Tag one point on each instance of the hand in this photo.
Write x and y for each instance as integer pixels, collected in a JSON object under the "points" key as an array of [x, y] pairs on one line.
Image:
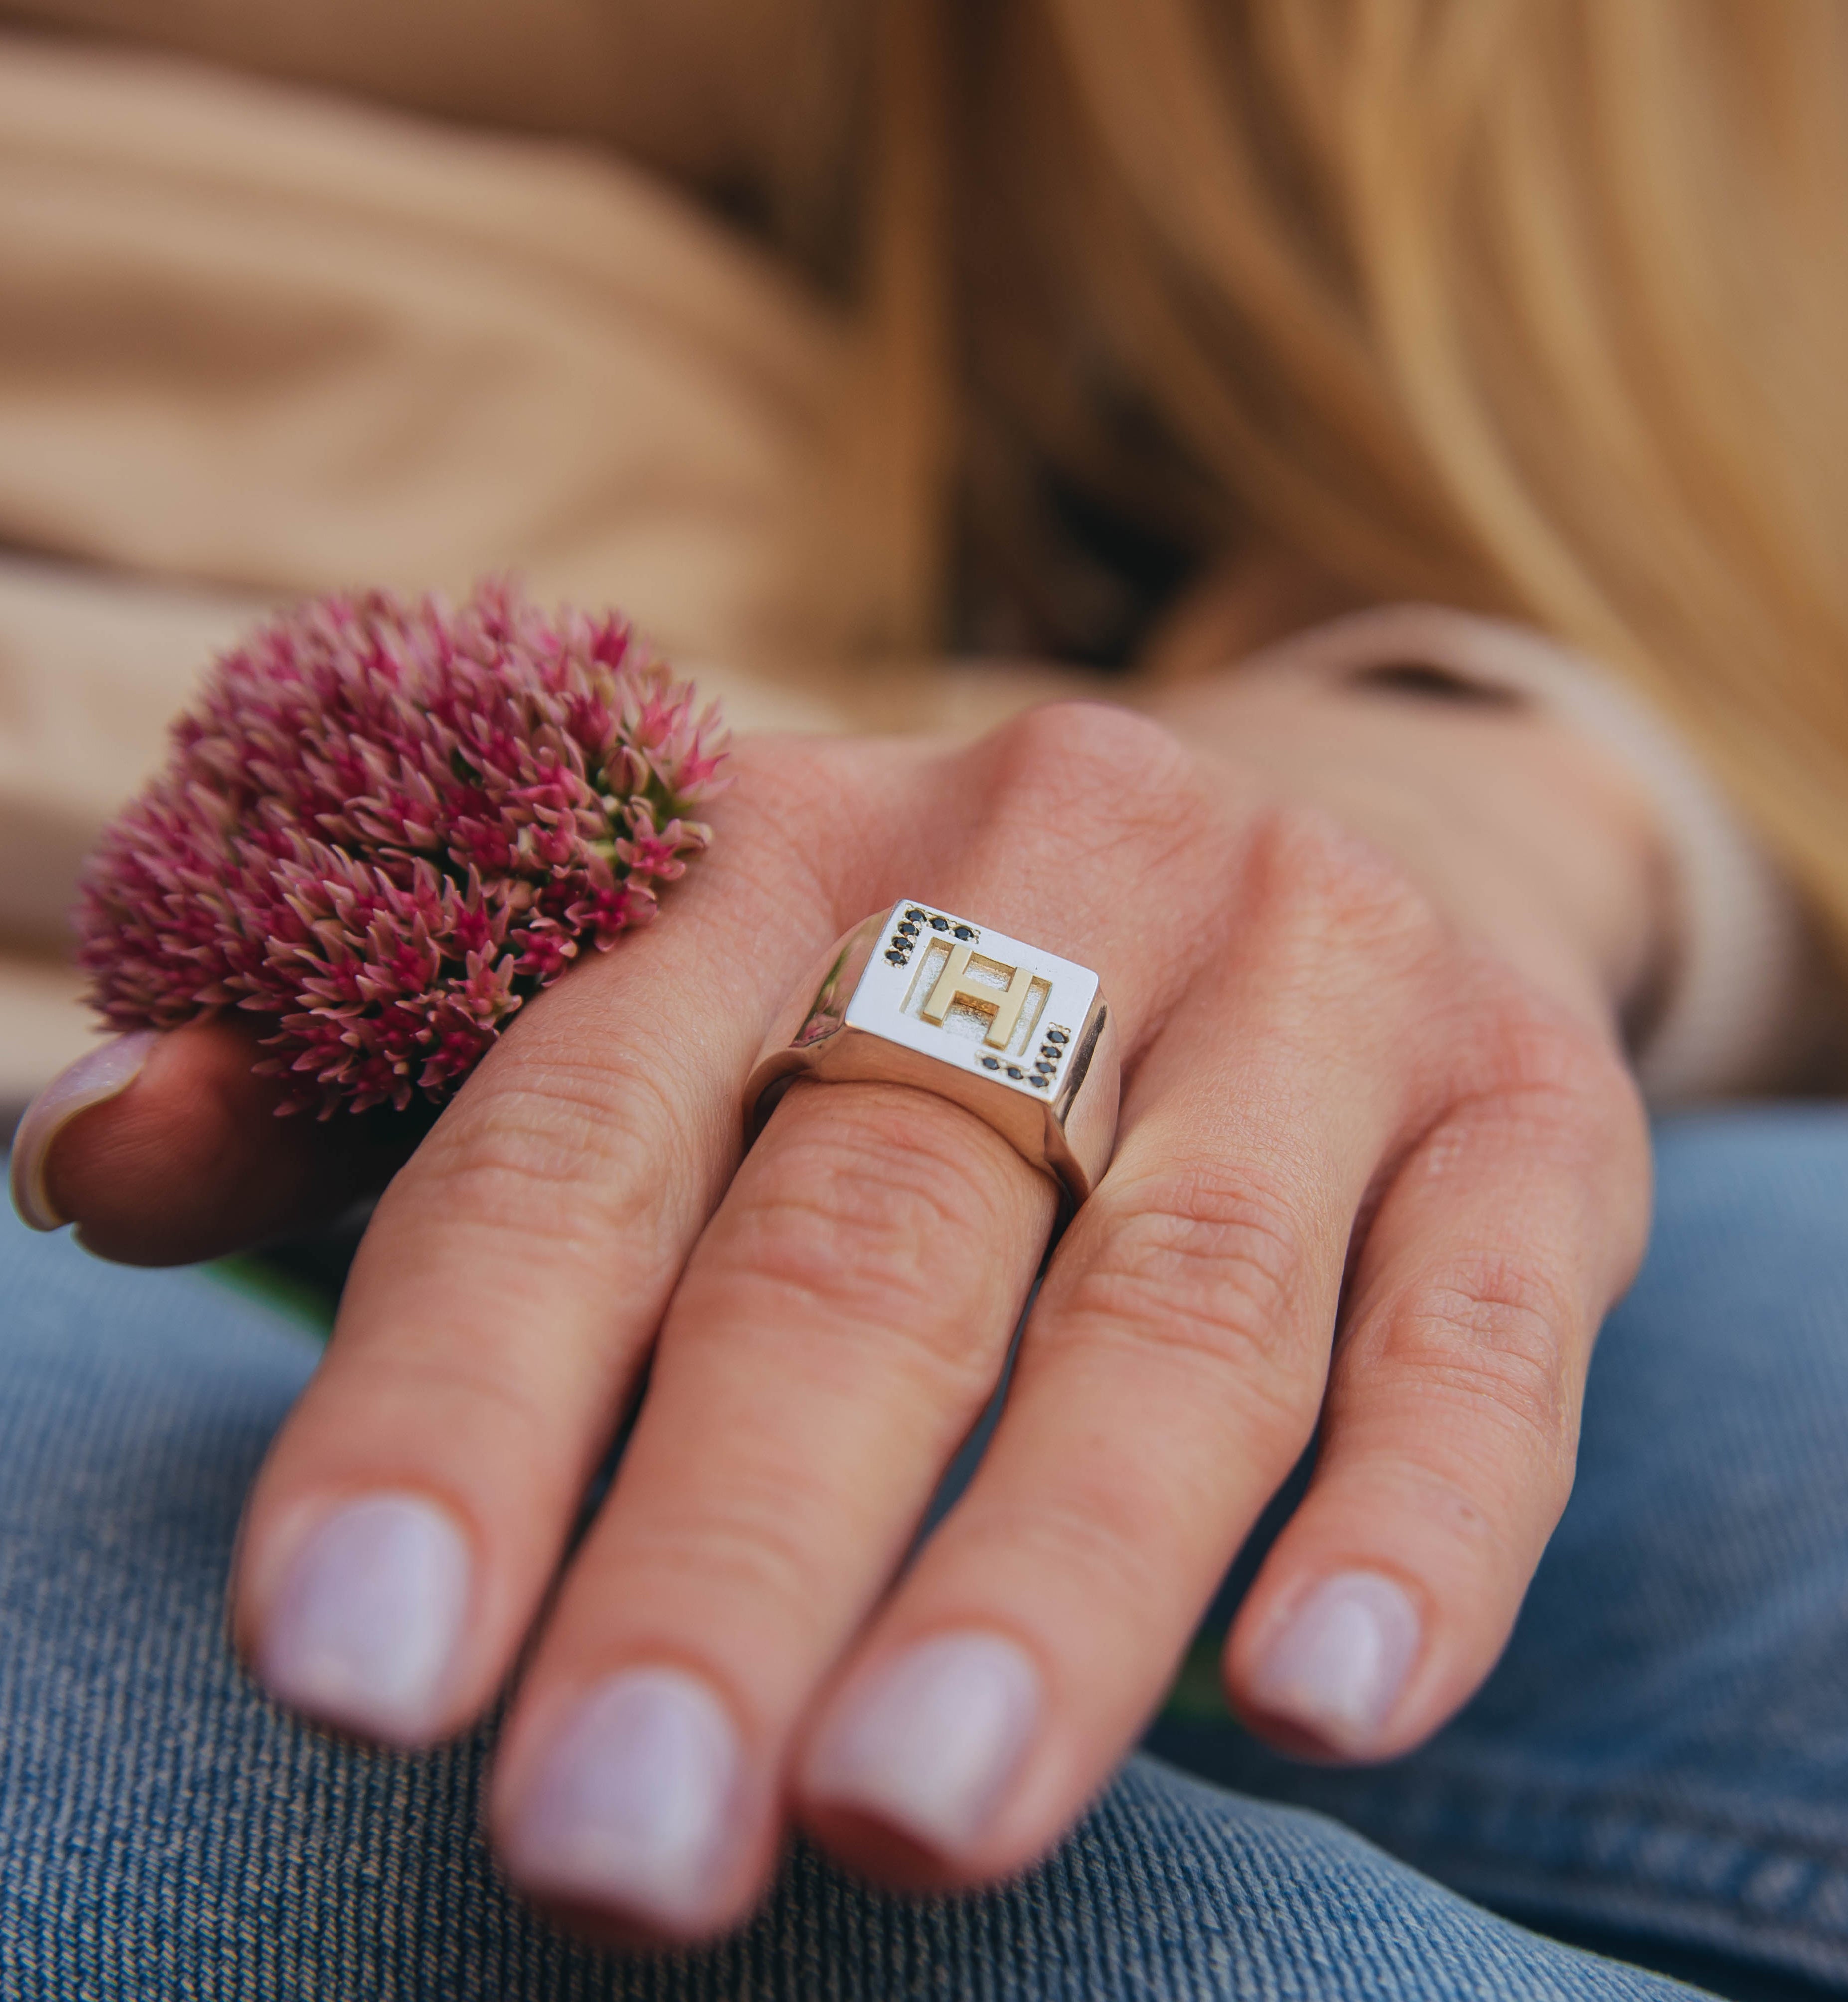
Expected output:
{"points": [[1380, 1171]]}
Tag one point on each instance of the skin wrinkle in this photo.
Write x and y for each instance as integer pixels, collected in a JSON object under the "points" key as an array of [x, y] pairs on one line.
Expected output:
{"points": [[753, 1550], [905, 1190], [924, 1365], [557, 1043], [464, 1401], [1307, 1047], [1507, 1361], [1226, 1281], [1101, 1343], [1489, 1283], [1344, 894], [493, 1176], [872, 1149], [1066, 760], [420, 1367], [962, 1342], [796, 882], [540, 1125]]}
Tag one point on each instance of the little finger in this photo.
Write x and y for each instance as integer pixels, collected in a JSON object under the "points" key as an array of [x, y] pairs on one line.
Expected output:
{"points": [[1450, 1427]]}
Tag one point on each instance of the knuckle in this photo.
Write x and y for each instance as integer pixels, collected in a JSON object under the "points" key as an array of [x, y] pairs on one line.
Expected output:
{"points": [[1537, 1050], [574, 1151], [1530, 1047], [776, 773], [1096, 738], [1210, 1268], [781, 821], [1493, 1338], [856, 1212], [1106, 774], [1561, 1093], [1314, 889]]}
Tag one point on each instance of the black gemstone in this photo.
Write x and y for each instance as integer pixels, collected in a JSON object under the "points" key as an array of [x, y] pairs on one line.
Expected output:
{"points": [[963, 931], [939, 924], [909, 929], [915, 914], [1037, 1083], [991, 1063], [1014, 1070], [1049, 1050], [1057, 1036], [897, 958], [1045, 1068]]}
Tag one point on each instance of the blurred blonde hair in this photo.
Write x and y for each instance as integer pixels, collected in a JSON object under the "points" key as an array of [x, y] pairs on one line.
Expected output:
{"points": [[1538, 306]]}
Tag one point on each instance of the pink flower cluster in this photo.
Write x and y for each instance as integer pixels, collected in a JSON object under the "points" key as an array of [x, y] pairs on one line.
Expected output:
{"points": [[385, 827]]}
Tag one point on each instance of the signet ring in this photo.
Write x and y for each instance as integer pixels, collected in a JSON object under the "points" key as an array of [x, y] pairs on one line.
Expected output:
{"points": [[1015, 1035]]}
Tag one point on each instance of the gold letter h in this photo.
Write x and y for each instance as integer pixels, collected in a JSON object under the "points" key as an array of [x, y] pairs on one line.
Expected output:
{"points": [[954, 984]]}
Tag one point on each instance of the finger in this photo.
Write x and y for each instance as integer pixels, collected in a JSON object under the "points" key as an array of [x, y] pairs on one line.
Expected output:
{"points": [[1450, 1427], [1167, 1380], [413, 1508], [164, 1149], [839, 1328], [413, 1511]]}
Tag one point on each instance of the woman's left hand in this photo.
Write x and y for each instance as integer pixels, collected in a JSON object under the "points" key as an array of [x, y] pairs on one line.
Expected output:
{"points": [[1380, 1170]]}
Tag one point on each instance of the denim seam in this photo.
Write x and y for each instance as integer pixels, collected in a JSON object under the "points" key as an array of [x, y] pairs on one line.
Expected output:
{"points": [[1618, 1860], [1649, 1911]]}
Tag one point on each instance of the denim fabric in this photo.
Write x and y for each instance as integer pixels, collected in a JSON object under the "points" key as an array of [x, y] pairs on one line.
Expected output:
{"points": [[1661, 1752]]}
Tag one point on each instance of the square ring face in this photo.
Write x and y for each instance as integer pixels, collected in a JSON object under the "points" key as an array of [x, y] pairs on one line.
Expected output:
{"points": [[1003, 1010]]}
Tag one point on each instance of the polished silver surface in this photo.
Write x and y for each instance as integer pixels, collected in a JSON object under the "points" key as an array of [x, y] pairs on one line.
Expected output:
{"points": [[1018, 1036]]}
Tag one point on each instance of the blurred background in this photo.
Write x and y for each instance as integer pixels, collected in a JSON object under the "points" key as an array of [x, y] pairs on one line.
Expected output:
{"points": [[843, 345], [295, 299]]}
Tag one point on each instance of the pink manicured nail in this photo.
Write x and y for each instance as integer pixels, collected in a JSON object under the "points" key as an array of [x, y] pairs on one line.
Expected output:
{"points": [[633, 1805], [364, 1627], [1340, 1663], [101, 1073], [931, 1745]]}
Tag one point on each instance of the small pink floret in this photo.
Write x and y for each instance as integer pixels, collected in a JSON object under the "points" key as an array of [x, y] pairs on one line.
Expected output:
{"points": [[385, 827]]}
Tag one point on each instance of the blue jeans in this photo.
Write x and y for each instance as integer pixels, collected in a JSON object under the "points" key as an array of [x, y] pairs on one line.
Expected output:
{"points": [[1660, 1764]]}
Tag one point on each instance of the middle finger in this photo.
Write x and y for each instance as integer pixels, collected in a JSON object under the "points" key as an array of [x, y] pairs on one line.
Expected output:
{"points": [[837, 1331]]}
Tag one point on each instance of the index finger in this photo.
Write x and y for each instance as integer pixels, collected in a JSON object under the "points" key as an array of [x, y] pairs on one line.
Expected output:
{"points": [[413, 1509]]}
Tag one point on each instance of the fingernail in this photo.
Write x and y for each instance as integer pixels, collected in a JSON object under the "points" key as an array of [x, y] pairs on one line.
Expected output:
{"points": [[1338, 1665], [363, 1629], [99, 1074], [932, 1744], [633, 1805]]}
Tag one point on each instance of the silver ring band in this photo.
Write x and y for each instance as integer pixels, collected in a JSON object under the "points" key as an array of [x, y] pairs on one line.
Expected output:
{"points": [[1015, 1035]]}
